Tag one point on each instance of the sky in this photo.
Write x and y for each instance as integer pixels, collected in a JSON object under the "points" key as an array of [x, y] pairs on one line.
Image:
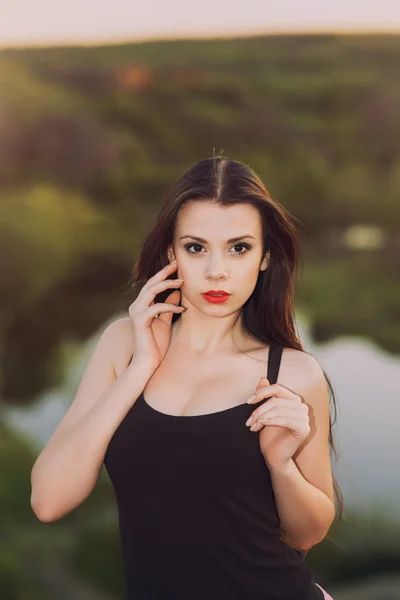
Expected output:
{"points": [[46, 22]]}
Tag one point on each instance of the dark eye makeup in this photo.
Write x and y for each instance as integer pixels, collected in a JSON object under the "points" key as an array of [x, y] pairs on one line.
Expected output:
{"points": [[246, 246]]}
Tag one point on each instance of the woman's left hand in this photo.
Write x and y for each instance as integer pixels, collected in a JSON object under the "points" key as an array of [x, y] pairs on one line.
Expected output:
{"points": [[284, 411]]}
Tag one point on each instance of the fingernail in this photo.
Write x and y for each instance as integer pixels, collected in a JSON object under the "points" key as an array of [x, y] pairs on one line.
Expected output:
{"points": [[252, 428], [251, 399], [249, 420]]}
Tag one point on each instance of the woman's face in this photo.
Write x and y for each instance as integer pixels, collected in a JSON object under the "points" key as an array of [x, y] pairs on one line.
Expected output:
{"points": [[212, 262]]}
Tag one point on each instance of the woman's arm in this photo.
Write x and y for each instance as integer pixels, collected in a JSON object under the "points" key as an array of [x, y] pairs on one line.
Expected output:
{"points": [[68, 468], [305, 512], [303, 487]]}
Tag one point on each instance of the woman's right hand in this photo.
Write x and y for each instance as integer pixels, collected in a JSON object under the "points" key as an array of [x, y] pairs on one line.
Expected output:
{"points": [[151, 335]]}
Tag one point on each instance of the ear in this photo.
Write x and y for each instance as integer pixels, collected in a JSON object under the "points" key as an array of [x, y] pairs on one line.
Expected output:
{"points": [[171, 255], [265, 262]]}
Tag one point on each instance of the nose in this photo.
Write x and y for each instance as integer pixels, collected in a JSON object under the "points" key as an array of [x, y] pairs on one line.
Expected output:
{"points": [[216, 270]]}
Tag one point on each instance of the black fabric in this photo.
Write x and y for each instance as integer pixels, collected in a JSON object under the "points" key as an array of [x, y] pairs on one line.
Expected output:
{"points": [[197, 512]]}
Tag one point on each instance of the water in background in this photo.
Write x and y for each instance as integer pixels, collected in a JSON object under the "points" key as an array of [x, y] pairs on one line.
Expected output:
{"points": [[366, 382]]}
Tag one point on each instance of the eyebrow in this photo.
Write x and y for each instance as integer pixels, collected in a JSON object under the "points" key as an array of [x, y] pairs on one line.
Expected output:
{"points": [[199, 239]]}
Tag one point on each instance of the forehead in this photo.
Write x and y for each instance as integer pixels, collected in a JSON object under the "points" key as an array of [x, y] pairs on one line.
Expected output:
{"points": [[205, 218]]}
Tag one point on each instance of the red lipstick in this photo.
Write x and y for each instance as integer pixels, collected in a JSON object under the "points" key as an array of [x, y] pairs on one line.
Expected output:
{"points": [[216, 296]]}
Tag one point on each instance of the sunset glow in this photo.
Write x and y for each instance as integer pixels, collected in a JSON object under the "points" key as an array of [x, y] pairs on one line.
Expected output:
{"points": [[24, 22]]}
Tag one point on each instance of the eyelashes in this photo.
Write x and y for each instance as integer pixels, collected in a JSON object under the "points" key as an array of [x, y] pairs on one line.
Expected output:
{"points": [[246, 246]]}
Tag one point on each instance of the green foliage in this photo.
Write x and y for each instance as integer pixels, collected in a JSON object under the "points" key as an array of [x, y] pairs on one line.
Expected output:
{"points": [[44, 231], [361, 546], [29, 98], [92, 138], [16, 461], [110, 128], [18, 536]]}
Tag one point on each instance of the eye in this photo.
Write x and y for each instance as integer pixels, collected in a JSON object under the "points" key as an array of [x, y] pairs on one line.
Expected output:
{"points": [[247, 247]]}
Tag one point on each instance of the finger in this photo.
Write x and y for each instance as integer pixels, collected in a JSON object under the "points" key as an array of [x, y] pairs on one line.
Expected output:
{"points": [[281, 421], [291, 424], [274, 402], [263, 383], [162, 274], [280, 412], [164, 312], [149, 292], [276, 389], [275, 411]]}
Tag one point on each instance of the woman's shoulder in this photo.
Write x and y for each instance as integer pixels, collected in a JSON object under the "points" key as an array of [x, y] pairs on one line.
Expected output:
{"points": [[299, 368], [120, 337], [119, 328]]}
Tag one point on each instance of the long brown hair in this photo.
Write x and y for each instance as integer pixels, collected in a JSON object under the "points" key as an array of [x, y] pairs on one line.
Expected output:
{"points": [[268, 314]]}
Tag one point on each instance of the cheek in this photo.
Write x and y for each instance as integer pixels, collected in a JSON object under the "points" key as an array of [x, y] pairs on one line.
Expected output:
{"points": [[250, 274], [187, 273], [250, 281]]}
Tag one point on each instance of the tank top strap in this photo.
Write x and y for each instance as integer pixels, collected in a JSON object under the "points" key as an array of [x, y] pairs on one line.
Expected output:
{"points": [[274, 362]]}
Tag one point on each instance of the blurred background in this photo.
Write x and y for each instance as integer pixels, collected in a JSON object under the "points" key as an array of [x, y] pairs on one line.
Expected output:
{"points": [[102, 106]]}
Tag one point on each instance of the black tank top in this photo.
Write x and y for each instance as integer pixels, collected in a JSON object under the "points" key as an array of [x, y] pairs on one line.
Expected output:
{"points": [[197, 513]]}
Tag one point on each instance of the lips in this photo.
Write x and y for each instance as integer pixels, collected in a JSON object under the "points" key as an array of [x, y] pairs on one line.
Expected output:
{"points": [[216, 297], [216, 293]]}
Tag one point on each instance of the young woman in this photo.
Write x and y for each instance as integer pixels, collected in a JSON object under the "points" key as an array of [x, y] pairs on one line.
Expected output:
{"points": [[218, 497]]}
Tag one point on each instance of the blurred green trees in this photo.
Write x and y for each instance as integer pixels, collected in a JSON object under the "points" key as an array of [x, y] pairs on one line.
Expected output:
{"points": [[91, 139]]}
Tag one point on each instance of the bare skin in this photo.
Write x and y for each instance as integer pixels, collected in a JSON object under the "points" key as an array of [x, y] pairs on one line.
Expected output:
{"points": [[203, 370], [186, 385], [191, 367]]}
